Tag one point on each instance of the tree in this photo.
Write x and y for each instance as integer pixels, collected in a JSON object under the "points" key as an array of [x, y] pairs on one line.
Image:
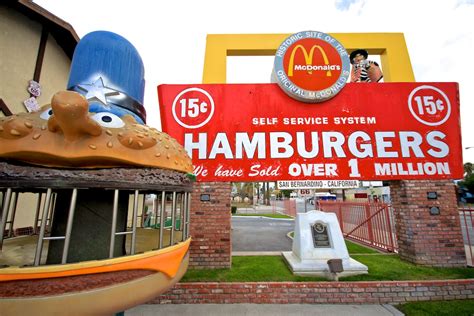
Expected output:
{"points": [[267, 193], [468, 168], [244, 189], [286, 193], [468, 181], [248, 187]]}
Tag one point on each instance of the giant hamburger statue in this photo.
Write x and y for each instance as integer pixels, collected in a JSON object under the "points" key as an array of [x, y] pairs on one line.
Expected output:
{"points": [[92, 164]]}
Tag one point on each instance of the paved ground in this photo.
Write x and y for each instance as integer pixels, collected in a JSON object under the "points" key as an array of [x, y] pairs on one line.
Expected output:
{"points": [[261, 209], [261, 234], [263, 309], [277, 207]]}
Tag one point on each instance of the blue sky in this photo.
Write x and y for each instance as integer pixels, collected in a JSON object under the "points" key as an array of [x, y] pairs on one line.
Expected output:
{"points": [[171, 36], [344, 4]]}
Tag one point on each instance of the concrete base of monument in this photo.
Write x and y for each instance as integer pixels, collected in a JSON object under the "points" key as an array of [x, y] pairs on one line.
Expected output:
{"points": [[318, 239], [320, 267]]}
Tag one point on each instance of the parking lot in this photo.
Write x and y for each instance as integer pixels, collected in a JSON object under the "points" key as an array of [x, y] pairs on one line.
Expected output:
{"points": [[253, 233]]}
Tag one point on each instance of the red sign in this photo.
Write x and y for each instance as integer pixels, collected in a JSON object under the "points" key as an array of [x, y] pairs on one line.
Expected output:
{"points": [[372, 131]]}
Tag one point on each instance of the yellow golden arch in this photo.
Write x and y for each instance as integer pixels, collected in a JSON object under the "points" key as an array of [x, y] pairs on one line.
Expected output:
{"points": [[391, 47], [308, 57]]}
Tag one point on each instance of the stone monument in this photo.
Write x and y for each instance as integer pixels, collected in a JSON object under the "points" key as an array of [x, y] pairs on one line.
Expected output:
{"points": [[318, 239]]}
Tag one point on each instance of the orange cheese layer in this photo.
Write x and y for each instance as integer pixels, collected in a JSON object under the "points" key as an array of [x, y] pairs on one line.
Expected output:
{"points": [[165, 260]]}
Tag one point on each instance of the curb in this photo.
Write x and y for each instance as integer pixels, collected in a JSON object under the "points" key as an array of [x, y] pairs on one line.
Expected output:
{"points": [[266, 217]]}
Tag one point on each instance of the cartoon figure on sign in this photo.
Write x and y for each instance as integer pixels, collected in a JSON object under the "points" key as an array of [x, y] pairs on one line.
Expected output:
{"points": [[364, 70]]}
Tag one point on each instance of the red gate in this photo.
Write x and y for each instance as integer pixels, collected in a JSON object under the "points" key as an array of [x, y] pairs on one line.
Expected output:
{"points": [[466, 215], [286, 207], [371, 224]]}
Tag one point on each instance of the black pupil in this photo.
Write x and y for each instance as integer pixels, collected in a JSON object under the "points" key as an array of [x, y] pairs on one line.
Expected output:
{"points": [[50, 112], [106, 119]]}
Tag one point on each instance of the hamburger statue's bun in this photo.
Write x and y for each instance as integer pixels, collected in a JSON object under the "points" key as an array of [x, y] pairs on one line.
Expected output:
{"points": [[66, 134]]}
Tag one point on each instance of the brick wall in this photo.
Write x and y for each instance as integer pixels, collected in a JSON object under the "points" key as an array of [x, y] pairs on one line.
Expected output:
{"points": [[317, 292], [432, 240], [210, 226]]}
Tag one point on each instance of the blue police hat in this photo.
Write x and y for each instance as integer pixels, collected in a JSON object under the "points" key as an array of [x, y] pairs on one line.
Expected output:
{"points": [[108, 70]]}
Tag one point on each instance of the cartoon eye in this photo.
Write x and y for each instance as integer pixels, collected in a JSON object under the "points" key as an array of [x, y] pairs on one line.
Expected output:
{"points": [[107, 119], [47, 114]]}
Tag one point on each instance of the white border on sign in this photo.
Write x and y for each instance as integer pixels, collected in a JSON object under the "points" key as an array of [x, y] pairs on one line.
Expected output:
{"points": [[317, 184], [310, 96], [410, 107], [193, 126]]}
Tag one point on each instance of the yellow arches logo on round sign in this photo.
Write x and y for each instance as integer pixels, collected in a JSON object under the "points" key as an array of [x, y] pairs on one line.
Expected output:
{"points": [[309, 59], [311, 66]]}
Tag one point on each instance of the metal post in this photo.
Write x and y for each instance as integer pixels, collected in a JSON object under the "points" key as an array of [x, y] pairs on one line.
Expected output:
{"points": [[185, 215], [181, 212], [143, 209], [189, 214], [13, 213], [155, 209], [173, 219], [52, 207], [39, 244], [162, 216], [70, 218], [134, 223], [114, 224], [38, 207], [6, 208], [369, 223], [389, 224]]}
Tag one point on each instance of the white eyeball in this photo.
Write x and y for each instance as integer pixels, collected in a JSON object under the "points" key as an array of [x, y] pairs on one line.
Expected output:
{"points": [[46, 114], [107, 119]]}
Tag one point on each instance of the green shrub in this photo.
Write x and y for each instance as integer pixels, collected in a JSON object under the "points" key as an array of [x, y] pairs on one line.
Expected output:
{"points": [[233, 209]]}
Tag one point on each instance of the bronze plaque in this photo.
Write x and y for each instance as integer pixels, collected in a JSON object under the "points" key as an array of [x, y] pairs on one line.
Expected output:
{"points": [[320, 236]]}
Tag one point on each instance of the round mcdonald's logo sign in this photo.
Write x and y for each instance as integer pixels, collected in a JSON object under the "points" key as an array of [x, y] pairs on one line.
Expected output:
{"points": [[311, 66]]}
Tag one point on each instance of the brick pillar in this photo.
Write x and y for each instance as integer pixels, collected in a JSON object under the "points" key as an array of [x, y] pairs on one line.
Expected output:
{"points": [[423, 238], [210, 226]]}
